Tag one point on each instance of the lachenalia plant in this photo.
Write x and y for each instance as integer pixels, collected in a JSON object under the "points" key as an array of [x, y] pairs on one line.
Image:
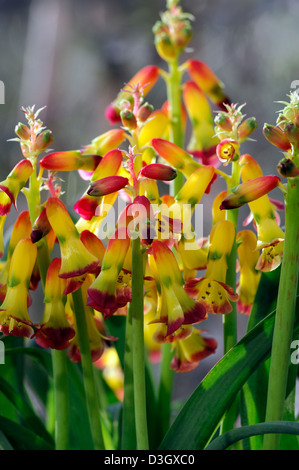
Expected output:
{"points": [[125, 289]]}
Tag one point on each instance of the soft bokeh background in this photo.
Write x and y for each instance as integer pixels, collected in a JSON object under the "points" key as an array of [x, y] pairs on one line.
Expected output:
{"points": [[73, 56]]}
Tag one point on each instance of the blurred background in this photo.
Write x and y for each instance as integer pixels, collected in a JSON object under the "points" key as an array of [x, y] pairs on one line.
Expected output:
{"points": [[73, 57]]}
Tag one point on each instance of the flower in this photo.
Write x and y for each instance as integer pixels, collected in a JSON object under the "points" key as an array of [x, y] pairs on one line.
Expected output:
{"points": [[54, 331], [191, 350], [248, 256], [158, 171], [206, 79], [203, 140], [249, 191], [211, 290], [175, 308], [13, 184], [70, 160], [144, 79], [102, 293], [175, 156], [270, 235], [228, 151], [14, 317], [76, 260]]}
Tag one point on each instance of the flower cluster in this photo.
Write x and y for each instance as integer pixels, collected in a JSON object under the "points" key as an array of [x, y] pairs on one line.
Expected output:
{"points": [[135, 163]]}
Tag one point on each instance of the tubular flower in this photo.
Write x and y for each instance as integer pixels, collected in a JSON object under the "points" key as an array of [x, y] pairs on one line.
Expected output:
{"points": [[248, 257], [203, 141], [55, 331], [41, 227], [177, 308], [107, 185], [189, 351], [102, 292], [13, 184], [270, 235], [193, 255], [14, 317], [76, 260], [158, 171], [217, 213], [206, 79], [70, 160], [88, 206], [211, 290], [175, 156], [155, 126], [144, 79], [249, 191], [21, 229]]}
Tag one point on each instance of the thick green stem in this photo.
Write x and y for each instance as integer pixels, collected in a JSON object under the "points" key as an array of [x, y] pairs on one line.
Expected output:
{"points": [[285, 313], [128, 439], [175, 107], [138, 346], [230, 320], [59, 361], [88, 373]]}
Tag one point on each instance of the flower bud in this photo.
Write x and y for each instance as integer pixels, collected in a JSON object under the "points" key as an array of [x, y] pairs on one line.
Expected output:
{"points": [[246, 128], [292, 132], [128, 119], [144, 112], [223, 122], [276, 137], [44, 140], [22, 131], [287, 168], [107, 185], [158, 171], [175, 156]]}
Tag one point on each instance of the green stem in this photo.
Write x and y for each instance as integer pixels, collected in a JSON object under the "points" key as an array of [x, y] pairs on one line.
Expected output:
{"points": [[230, 320], [59, 361], [88, 372], [285, 313], [165, 390], [176, 134], [128, 440], [138, 346]]}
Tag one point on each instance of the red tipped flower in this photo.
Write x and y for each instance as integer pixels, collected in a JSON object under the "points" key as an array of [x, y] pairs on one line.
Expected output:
{"points": [[13, 184], [55, 331], [206, 79], [250, 191], [107, 185], [276, 137], [70, 160], [158, 171]]}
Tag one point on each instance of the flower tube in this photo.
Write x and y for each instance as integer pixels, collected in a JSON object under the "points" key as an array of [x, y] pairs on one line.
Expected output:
{"points": [[75, 258]]}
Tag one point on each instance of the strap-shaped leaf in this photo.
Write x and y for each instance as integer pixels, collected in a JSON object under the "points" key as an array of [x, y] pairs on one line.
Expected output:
{"points": [[200, 416]]}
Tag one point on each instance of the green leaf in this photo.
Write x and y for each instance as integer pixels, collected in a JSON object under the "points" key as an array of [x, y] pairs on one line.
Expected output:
{"points": [[26, 413], [273, 427], [21, 438], [194, 426], [254, 391]]}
